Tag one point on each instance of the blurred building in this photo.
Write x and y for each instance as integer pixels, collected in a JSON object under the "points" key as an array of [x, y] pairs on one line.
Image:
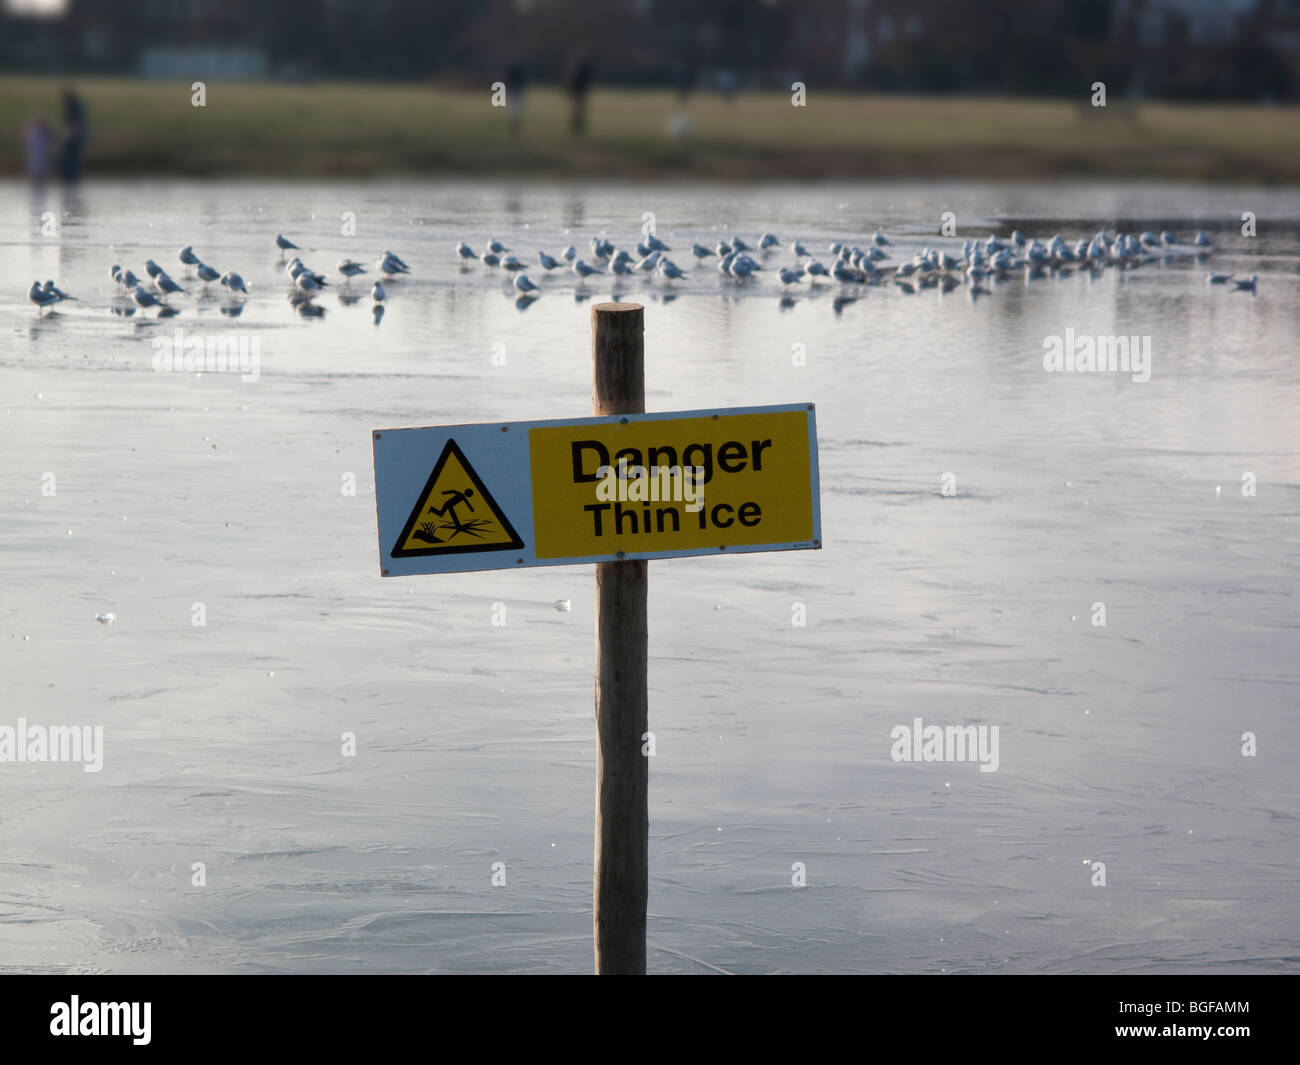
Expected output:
{"points": [[1178, 48], [1210, 48]]}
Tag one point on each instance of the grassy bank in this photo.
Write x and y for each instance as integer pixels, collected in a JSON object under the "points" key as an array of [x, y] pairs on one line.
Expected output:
{"points": [[368, 129]]}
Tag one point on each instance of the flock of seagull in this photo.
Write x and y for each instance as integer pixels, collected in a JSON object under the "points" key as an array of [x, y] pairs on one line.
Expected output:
{"points": [[995, 258], [154, 289], [739, 263]]}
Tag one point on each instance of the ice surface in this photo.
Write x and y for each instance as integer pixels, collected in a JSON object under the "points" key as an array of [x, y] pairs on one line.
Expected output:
{"points": [[475, 741]]}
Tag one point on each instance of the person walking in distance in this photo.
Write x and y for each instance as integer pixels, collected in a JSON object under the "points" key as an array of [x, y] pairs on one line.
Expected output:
{"points": [[579, 82], [75, 132]]}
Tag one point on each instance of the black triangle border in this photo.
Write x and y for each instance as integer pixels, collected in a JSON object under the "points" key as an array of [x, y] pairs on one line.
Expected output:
{"points": [[452, 448]]}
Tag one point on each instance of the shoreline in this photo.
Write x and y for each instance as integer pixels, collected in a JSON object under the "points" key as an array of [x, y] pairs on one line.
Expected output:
{"points": [[416, 131]]}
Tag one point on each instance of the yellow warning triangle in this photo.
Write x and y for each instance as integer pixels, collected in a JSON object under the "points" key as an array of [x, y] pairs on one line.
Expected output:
{"points": [[455, 513]]}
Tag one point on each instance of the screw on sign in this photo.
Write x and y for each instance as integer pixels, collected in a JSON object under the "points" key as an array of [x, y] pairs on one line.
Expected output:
{"points": [[616, 489]]}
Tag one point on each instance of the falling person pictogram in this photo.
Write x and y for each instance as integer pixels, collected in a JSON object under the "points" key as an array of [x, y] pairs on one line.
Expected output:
{"points": [[472, 527], [455, 513]]}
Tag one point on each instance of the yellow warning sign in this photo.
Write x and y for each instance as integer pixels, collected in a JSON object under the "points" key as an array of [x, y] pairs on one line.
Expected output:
{"points": [[455, 513], [682, 484]]}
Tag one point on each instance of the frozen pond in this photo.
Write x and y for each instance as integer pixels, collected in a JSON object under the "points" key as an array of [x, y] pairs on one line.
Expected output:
{"points": [[1119, 744]]}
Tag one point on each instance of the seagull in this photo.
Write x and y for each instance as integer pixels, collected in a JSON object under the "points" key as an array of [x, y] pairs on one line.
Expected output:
{"points": [[741, 267], [390, 265], [670, 270], [768, 240], [350, 268], [815, 269], [722, 249], [377, 292], [548, 262], [206, 273], [881, 240], [1202, 241], [789, 277], [583, 270], [306, 284], [296, 267], [115, 272], [40, 297], [153, 269], [465, 251], [800, 250], [186, 255], [234, 282], [1218, 279], [1247, 285], [128, 279], [490, 259], [700, 251], [654, 243], [650, 261], [166, 285], [284, 243], [511, 263], [739, 245], [622, 267], [59, 295], [496, 247], [144, 299], [524, 284], [569, 253], [842, 272]]}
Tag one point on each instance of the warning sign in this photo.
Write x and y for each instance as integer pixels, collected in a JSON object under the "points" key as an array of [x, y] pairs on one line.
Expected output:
{"points": [[671, 485], [504, 495], [455, 513]]}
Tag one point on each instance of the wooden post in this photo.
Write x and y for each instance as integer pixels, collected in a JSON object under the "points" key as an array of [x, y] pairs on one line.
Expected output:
{"points": [[621, 872]]}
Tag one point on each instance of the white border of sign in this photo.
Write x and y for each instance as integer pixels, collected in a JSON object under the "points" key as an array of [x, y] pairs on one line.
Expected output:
{"points": [[499, 453]]}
